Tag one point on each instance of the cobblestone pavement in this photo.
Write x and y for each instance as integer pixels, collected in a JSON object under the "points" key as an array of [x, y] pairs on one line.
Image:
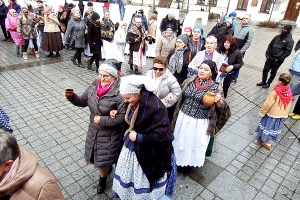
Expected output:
{"points": [[31, 93]]}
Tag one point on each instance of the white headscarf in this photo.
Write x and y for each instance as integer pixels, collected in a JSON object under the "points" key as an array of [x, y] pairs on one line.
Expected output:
{"points": [[133, 84]]}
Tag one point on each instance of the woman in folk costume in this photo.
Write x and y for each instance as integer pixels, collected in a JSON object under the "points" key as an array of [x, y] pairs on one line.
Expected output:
{"points": [[107, 35], [137, 44], [119, 45], [147, 154], [11, 23], [274, 111], [195, 120]]}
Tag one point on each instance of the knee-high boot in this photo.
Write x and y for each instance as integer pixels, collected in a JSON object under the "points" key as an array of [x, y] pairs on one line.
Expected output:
{"points": [[102, 185]]}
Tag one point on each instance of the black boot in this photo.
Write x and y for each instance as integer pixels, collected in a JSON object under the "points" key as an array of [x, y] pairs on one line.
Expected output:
{"points": [[74, 61], [136, 71], [102, 185], [131, 66], [50, 55], [89, 66], [97, 71], [80, 64], [57, 55]]}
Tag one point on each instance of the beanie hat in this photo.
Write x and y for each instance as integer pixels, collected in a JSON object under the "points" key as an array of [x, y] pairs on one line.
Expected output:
{"points": [[170, 26], [141, 11], [229, 20], [213, 67], [109, 69], [184, 39], [95, 16], [189, 29], [288, 28], [232, 14], [89, 4], [171, 15]]}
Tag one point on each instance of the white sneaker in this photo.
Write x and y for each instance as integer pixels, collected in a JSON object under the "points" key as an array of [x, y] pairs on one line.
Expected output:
{"points": [[25, 56], [37, 54]]}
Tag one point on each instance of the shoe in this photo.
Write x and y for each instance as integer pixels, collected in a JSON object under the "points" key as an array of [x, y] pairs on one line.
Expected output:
{"points": [[296, 117], [37, 54], [183, 169], [89, 67], [8, 40], [131, 67], [4, 39], [57, 55], [136, 71], [267, 85], [292, 114], [19, 55], [267, 146], [261, 84], [102, 185], [25, 56], [80, 65], [233, 81], [50, 55], [74, 61]]}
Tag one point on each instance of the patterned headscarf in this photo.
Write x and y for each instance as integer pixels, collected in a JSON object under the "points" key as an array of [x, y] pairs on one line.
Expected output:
{"points": [[133, 84]]}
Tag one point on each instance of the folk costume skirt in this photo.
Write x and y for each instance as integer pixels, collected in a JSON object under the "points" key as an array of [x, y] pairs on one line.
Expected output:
{"points": [[107, 50], [270, 128], [52, 42], [190, 141], [138, 58], [130, 182]]}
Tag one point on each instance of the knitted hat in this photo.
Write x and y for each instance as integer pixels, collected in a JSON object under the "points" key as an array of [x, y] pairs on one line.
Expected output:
{"points": [[95, 16], [112, 62], [171, 15], [109, 69], [184, 39], [133, 84], [89, 4], [189, 29], [229, 20], [141, 11], [232, 14], [170, 26], [70, 5], [288, 28], [39, 1], [213, 67]]}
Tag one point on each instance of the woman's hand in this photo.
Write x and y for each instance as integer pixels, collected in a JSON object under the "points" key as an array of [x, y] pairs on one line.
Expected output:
{"points": [[113, 114], [169, 98], [217, 97], [97, 119], [132, 135], [229, 68]]}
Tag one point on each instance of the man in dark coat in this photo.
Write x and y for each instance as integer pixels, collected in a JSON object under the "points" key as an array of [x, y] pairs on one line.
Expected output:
{"points": [[140, 14], [279, 49], [3, 14], [169, 19], [218, 31]]}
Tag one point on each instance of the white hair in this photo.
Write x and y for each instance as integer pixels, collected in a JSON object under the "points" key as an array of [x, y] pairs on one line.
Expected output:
{"points": [[212, 39], [9, 149]]}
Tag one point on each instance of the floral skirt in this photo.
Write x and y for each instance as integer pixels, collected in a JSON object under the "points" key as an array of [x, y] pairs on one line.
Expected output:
{"points": [[130, 182], [52, 42], [270, 128]]}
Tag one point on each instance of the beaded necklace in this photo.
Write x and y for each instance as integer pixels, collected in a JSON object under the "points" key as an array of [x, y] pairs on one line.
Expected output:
{"points": [[202, 87]]}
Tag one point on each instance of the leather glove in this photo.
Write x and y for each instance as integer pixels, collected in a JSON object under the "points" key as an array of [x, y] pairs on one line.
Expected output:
{"points": [[69, 93]]}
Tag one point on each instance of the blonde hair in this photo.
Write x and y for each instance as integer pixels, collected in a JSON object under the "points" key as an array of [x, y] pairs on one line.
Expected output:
{"points": [[153, 17], [74, 10]]}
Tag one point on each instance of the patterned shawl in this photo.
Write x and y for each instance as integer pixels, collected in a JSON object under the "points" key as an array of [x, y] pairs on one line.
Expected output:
{"points": [[176, 60]]}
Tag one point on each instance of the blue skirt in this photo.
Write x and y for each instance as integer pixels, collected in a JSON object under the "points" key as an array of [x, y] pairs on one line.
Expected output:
{"points": [[270, 128]]}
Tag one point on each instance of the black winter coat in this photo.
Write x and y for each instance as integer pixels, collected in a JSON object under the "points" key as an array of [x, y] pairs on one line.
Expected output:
{"points": [[164, 23], [218, 31], [235, 59], [280, 48], [93, 37], [3, 14], [185, 63]]}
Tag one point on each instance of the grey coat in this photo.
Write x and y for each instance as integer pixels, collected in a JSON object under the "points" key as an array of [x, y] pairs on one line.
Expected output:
{"points": [[167, 85], [102, 138], [76, 32]]}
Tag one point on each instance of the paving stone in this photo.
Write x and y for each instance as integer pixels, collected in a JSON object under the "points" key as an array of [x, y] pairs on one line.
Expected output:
{"points": [[261, 195], [256, 183], [206, 194], [269, 191]]}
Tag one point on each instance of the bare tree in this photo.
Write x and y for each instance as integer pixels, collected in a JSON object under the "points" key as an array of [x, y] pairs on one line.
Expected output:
{"points": [[165, 3]]}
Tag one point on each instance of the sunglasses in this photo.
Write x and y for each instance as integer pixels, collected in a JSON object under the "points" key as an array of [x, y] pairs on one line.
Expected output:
{"points": [[159, 69]]}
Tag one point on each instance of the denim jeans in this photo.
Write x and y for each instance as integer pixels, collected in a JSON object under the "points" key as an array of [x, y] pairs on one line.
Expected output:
{"points": [[122, 11], [40, 32]]}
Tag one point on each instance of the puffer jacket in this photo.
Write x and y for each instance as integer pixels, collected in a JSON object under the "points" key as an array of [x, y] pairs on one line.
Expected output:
{"points": [[76, 32], [167, 85], [280, 48], [103, 138], [244, 36], [165, 44], [51, 24], [152, 28], [3, 13], [31, 181], [295, 64]]}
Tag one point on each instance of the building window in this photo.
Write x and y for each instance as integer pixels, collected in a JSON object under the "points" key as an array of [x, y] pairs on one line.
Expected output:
{"points": [[242, 5], [213, 2], [266, 6], [200, 2]]}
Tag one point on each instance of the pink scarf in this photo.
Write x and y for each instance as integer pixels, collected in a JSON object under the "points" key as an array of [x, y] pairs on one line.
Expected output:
{"points": [[103, 90], [8, 176], [285, 95]]}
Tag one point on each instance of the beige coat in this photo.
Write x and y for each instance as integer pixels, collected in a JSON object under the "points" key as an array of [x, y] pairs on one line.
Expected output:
{"points": [[152, 28], [165, 44], [274, 108], [31, 181], [51, 24]]}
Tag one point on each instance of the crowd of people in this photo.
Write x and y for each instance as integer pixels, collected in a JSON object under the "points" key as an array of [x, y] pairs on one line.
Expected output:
{"points": [[156, 124]]}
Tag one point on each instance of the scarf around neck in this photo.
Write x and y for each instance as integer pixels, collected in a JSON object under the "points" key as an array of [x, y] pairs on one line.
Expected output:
{"points": [[176, 60], [284, 93], [103, 90]]}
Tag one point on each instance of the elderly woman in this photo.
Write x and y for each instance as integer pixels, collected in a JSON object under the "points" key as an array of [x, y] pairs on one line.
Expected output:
{"points": [[197, 41], [233, 59], [20, 175], [152, 26], [168, 89], [62, 18], [196, 120], [52, 40], [103, 134], [180, 58], [26, 27], [145, 158], [137, 45], [166, 42], [209, 53], [107, 35], [76, 32]]}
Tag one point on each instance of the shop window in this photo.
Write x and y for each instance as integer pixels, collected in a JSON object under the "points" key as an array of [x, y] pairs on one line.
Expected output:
{"points": [[266, 6], [242, 5]]}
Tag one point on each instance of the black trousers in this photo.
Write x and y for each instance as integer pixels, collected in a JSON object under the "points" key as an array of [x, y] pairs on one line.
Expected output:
{"points": [[96, 58], [4, 31], [297, 107], [226, 84], [78, 53], [272, 65], [25, 46]]}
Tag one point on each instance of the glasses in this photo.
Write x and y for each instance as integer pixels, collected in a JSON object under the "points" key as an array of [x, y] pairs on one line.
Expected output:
{"points": [[14, 12], [105, 76], [179, 42], [159, 69], [245, 18]]}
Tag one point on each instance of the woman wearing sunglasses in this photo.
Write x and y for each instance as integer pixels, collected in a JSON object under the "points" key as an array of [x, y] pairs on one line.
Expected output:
{"points": [[168, 89]]}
